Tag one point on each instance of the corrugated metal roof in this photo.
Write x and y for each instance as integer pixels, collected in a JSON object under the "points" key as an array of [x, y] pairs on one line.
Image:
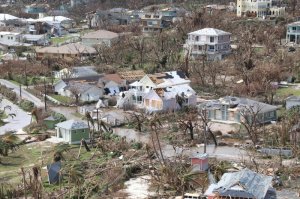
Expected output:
{"points": [[244, 183]]}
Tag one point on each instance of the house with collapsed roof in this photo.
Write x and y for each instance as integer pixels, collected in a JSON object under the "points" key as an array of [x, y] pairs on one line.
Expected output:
{"points": [[54, 25], [131, 76], [112, 84], [242, 184], [235, 110], [160, 92]]}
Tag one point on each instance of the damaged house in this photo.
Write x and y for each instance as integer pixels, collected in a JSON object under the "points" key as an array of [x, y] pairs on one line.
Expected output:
{"points": [[166, 91], [235, 110], [85, 89]]}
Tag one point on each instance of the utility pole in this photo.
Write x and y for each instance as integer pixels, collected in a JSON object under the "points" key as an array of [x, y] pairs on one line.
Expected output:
{"points": [[20, 86], [45, 94], [205, 128]]}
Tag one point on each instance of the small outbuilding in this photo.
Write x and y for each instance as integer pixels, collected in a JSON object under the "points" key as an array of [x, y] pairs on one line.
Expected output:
{"points": [[51, 121], [72, 131], [199, 162]]}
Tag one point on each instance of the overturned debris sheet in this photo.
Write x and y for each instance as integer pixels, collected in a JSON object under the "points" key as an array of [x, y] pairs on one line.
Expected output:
{"points": [[243, 184]]}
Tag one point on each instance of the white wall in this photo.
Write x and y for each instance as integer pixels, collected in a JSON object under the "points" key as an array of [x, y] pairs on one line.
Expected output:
{"points": [[9, 37]]}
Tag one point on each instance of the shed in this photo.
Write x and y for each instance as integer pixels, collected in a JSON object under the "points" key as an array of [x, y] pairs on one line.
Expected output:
{"points": [[72, 131], [199, 162], [50, 122]]}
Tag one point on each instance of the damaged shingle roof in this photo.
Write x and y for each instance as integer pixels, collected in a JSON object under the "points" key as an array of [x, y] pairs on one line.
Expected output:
{"points": [[242, 103]]}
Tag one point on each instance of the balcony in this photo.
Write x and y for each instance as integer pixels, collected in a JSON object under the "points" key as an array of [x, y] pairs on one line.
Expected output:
{"points": [[293, 31]]}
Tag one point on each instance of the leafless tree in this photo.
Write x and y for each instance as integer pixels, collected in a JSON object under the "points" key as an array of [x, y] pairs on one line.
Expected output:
{"points": [[251, 119]]}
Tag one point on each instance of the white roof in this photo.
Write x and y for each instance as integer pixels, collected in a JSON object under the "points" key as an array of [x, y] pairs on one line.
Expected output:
{"points": [[136, 83], [9, 33], [171, 92], [210, 31], [4, 17], [175, 80], [50, 19], [297, 23]]}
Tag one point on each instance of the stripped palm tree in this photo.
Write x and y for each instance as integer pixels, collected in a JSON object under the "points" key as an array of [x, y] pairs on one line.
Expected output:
{"points": [[75, 176], [155, 124], [34, 115]]}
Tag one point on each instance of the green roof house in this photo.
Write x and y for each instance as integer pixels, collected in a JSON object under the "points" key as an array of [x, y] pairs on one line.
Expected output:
{"points": [[72, 131]]}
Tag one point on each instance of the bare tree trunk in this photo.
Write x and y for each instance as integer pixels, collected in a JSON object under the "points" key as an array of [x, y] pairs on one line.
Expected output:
{"points": [[24, 182]]}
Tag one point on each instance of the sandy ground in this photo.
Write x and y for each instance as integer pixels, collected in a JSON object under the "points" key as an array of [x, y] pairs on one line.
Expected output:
{"points": [[138, 188]]}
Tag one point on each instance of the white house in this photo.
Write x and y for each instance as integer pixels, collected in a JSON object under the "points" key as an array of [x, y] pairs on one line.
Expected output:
{"points": [[87, 92], [38, 40], [210, 42], [292, 101], [10, 37], [103, 37], [293, 33], [258, 8], [160, 92]]}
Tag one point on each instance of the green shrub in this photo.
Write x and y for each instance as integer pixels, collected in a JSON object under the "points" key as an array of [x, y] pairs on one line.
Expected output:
{"points": [[8, 93], [26, 105], [137, 145], [60, 117]]}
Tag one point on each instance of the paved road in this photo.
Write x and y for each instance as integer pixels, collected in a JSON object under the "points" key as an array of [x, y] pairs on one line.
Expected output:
{"points": [[25, 94], [220, 152], [21, 120]]}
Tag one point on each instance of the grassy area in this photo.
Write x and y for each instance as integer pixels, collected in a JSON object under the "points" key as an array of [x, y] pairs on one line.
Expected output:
{"points": [[62, 99], [58, 40], [285, 92], [33, 80], [25, 156], [76, 114], [14, 82]]}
